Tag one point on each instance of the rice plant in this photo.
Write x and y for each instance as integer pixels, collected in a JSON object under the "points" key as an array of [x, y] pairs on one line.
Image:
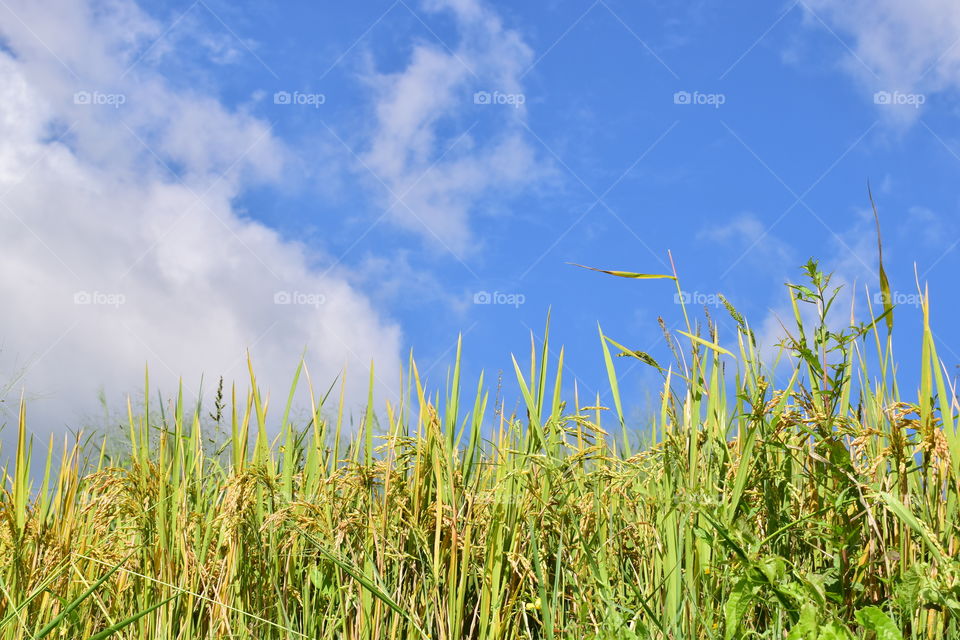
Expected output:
{"points": [[821, 507]]}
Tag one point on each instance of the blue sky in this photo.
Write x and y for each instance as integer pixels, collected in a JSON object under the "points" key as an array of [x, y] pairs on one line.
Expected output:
{"points": [[387, 164]]}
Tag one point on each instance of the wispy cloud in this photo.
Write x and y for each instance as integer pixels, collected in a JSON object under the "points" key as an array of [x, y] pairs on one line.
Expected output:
{"points": [[750, 236], [900, 51], [424, 151]]}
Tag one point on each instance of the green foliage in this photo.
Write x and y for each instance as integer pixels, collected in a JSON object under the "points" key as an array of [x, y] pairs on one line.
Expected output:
{"points": [[822, 506]]}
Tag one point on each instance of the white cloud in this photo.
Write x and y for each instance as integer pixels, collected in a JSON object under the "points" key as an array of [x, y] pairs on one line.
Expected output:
{"points": [[754, 238], [110, 261], [907, 47], [422, 147]]}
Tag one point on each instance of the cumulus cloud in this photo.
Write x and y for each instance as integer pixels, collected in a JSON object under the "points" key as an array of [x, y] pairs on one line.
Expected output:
{"points": [[899, 48], [121, 244], [423, 149]]}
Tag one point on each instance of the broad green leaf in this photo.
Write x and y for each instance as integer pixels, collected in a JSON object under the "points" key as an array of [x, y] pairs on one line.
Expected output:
{"points": [[834, 631], [874, 619], [808, 624], [736, 606]]}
